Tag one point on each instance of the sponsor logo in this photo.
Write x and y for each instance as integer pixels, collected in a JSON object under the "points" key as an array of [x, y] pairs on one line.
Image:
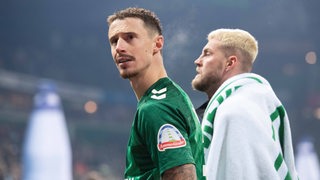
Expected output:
{"points": [[169, 137]]}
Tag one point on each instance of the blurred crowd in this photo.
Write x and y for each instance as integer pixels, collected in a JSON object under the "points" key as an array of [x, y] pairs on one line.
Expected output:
{"points": [[98, 140]]}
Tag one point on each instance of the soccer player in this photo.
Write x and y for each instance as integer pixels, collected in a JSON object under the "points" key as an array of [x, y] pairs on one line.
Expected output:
{"points": [[165, 139], [245, 126]]}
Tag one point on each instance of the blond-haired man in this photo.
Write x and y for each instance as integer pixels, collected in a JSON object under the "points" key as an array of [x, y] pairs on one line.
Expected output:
{"points": [[245, 126]]}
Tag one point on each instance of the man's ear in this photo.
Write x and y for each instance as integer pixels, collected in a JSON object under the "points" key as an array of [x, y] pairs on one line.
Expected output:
{"points": [[159, 40], [230, 63], [232, 60]]}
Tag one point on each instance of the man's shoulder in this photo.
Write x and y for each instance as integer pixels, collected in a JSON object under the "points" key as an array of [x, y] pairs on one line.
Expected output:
{"points": [[167, 92]]}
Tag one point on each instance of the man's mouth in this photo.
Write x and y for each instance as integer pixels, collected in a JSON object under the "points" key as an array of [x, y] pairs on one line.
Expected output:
{"points": [[123, 59], [197, 71]]}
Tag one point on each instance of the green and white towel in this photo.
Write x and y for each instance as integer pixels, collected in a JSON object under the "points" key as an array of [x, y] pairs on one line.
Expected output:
{"points": [[247, 133]]}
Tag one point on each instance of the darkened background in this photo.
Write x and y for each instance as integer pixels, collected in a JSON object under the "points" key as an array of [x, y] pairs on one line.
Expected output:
{"points": [[66, 41]]}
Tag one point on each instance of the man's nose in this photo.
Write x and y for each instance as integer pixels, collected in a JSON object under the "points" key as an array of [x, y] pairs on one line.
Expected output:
{"points": [[197, 61], [120, 47]]}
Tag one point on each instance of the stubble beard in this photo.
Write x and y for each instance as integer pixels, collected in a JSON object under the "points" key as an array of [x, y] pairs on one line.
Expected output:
{"points": [[128, 75], [198, 83], [205, 83]]}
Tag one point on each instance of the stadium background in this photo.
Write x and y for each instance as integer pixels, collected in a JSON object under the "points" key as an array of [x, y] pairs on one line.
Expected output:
{"points": [[66, 41]]}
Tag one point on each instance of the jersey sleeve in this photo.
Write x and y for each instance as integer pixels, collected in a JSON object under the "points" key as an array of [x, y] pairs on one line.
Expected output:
{"points": [[166, 136]]}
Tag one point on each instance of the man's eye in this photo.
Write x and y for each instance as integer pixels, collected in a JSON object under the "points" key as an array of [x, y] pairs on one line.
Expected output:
{"points": [[113, 41], [206, 54], [130, 36]]}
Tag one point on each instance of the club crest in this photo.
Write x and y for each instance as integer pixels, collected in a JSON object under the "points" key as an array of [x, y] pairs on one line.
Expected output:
{"points": [[169, 137]]}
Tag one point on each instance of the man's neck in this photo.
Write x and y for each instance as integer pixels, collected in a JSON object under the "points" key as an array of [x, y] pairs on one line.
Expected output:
{"points": [[141, 85]]}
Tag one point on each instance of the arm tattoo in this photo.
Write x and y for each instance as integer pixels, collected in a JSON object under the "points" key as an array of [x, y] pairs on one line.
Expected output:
{"points": [[183, 172]]}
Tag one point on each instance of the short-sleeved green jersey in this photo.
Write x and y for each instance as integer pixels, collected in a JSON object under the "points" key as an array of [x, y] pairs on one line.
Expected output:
{"points": [[165, 133]]}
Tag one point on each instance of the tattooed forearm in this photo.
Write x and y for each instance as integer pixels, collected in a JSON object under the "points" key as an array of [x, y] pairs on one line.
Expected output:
{"points": [[183, 172]]}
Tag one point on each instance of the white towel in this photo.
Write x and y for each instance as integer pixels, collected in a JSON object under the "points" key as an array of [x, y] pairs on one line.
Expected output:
{"points": [[247, 133]]}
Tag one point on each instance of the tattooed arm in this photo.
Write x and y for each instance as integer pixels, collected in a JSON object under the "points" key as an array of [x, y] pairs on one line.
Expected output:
{"points": [[183, 172]]}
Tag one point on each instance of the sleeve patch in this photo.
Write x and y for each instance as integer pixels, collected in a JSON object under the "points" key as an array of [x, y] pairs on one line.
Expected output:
{"points": [[169, 137]]}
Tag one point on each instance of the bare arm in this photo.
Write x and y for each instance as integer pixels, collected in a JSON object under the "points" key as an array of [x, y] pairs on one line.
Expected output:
{"points": [[183, 172]]}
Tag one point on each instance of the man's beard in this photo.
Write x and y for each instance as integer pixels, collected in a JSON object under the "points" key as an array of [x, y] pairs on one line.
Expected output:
{"points": [[204, 83], [199, 83], [128, 75]]}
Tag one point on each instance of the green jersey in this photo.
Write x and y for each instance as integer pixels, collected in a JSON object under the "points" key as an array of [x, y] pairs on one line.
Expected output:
{"points": [[165, 133]]}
